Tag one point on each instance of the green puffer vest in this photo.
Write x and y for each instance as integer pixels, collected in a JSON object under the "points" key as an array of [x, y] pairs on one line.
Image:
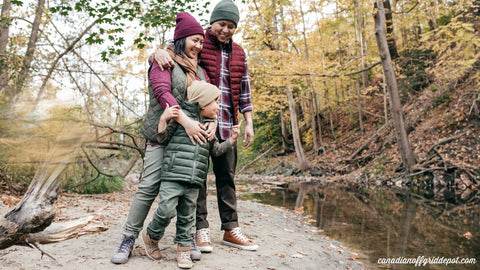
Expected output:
{"points": [[179, 86], [183, 161]]}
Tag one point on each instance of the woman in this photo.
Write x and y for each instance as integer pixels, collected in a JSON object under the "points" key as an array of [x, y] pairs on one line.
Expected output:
{"points": [[165, 87]]}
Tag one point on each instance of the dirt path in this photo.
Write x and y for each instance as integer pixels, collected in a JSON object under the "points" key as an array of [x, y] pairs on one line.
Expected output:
{"points": [[284, 242]]}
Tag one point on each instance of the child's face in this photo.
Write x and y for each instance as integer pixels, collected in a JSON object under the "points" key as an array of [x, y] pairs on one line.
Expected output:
{"points": [[210, 110]]}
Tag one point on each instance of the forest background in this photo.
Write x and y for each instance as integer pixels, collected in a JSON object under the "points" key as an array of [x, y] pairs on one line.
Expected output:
{"points": [[73, 85]]}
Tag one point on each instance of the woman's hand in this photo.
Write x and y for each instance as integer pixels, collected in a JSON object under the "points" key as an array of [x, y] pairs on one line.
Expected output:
{"points": [[211, 129], [195, 131]]}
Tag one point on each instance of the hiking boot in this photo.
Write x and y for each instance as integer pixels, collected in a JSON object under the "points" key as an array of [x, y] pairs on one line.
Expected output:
{"points": [[123, 251], [195, 253], [203, 240], [183, 257], [151, 246], [235, 238]]}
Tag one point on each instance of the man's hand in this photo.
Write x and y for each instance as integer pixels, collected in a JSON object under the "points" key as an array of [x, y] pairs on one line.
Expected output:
{"points": [[163, 59], [248, 132], [248, 135]]}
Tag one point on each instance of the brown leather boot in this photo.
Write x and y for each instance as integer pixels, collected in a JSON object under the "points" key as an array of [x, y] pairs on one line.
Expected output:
{"points": [[151, 246], [183, 257]]}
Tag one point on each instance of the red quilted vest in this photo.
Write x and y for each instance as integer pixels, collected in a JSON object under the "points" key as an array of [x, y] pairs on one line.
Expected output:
{"points": [[211, 60]]}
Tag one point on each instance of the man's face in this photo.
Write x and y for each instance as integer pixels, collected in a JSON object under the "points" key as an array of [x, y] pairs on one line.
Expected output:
{"points": [[193, 45], [210, 110], [223, 30]]}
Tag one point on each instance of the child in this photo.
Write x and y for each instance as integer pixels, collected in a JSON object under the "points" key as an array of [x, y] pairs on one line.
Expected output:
{"points": [[184, 169]]}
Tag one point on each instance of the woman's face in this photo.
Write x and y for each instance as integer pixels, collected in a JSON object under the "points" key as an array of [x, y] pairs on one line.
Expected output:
{"points": [[223, 30], [193, 45]]}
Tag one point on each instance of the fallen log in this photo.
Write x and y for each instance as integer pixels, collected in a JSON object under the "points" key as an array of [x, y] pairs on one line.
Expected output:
{"points": [[62, 231], [35, 212]]}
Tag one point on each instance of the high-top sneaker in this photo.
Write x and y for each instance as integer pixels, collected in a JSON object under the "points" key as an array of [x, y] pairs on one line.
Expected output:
{"points": [[203, 240], [235, 238]]}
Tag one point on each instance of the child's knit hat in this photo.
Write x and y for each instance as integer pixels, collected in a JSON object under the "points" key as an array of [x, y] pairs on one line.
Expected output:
{"points": [[202, 92]]}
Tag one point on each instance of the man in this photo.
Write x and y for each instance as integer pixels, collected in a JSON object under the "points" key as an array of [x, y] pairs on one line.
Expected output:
{"points": [[226, 66]]}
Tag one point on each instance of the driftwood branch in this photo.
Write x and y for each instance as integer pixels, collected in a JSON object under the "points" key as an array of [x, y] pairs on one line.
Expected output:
{"points": [[35, 245], [321, 75], [364, 145], [259, 157], [446, 140], [119, 131], [62, 231]]}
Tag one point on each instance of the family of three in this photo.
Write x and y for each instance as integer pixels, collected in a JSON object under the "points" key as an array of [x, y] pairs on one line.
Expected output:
{"points": [[197, 86]]}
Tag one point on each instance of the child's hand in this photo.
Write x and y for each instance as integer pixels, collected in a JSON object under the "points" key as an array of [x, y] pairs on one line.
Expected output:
{"points": [[235, 132], [170, 112]]}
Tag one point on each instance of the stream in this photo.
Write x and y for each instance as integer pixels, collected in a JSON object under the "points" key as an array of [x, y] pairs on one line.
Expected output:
{"points": [[382, 222]]}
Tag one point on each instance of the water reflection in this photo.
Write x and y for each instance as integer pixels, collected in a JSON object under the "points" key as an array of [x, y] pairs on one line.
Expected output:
{"points": [[387, 222]]}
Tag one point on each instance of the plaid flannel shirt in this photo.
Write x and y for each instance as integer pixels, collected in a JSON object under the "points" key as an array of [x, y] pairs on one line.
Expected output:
{"points": [[226, 113]]}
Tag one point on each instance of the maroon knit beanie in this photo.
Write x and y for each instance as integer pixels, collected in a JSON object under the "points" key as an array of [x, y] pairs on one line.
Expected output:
{"points": [[186, 26]]}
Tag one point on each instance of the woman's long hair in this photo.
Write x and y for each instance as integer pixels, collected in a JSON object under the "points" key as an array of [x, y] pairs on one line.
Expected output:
{"points": [[179, 48]]}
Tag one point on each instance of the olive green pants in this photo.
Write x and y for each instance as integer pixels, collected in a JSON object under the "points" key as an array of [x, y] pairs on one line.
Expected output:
{"points": [[176, 199], [147, 190]]}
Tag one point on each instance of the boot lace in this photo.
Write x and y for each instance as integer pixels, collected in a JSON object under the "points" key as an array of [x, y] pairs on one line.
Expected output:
{"points": [[126, 245], [184, 254], [193, 243]]}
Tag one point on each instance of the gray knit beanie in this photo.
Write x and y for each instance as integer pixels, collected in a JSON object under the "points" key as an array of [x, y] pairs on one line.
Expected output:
{"points": [[202, 92], [225, 10]]}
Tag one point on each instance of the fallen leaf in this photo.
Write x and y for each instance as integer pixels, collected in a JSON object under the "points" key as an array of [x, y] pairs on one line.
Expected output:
{"points": [[467, 235], [297, 256]]}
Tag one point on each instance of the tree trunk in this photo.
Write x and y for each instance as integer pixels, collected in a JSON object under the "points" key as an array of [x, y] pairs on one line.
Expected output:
{"points": [[310, 85], [32, 44], [318, 119], [35, 211], [395, 105], [392, 46], [4, 32], [297, 142], [357, 75], [283, 127], [363, 47]]}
